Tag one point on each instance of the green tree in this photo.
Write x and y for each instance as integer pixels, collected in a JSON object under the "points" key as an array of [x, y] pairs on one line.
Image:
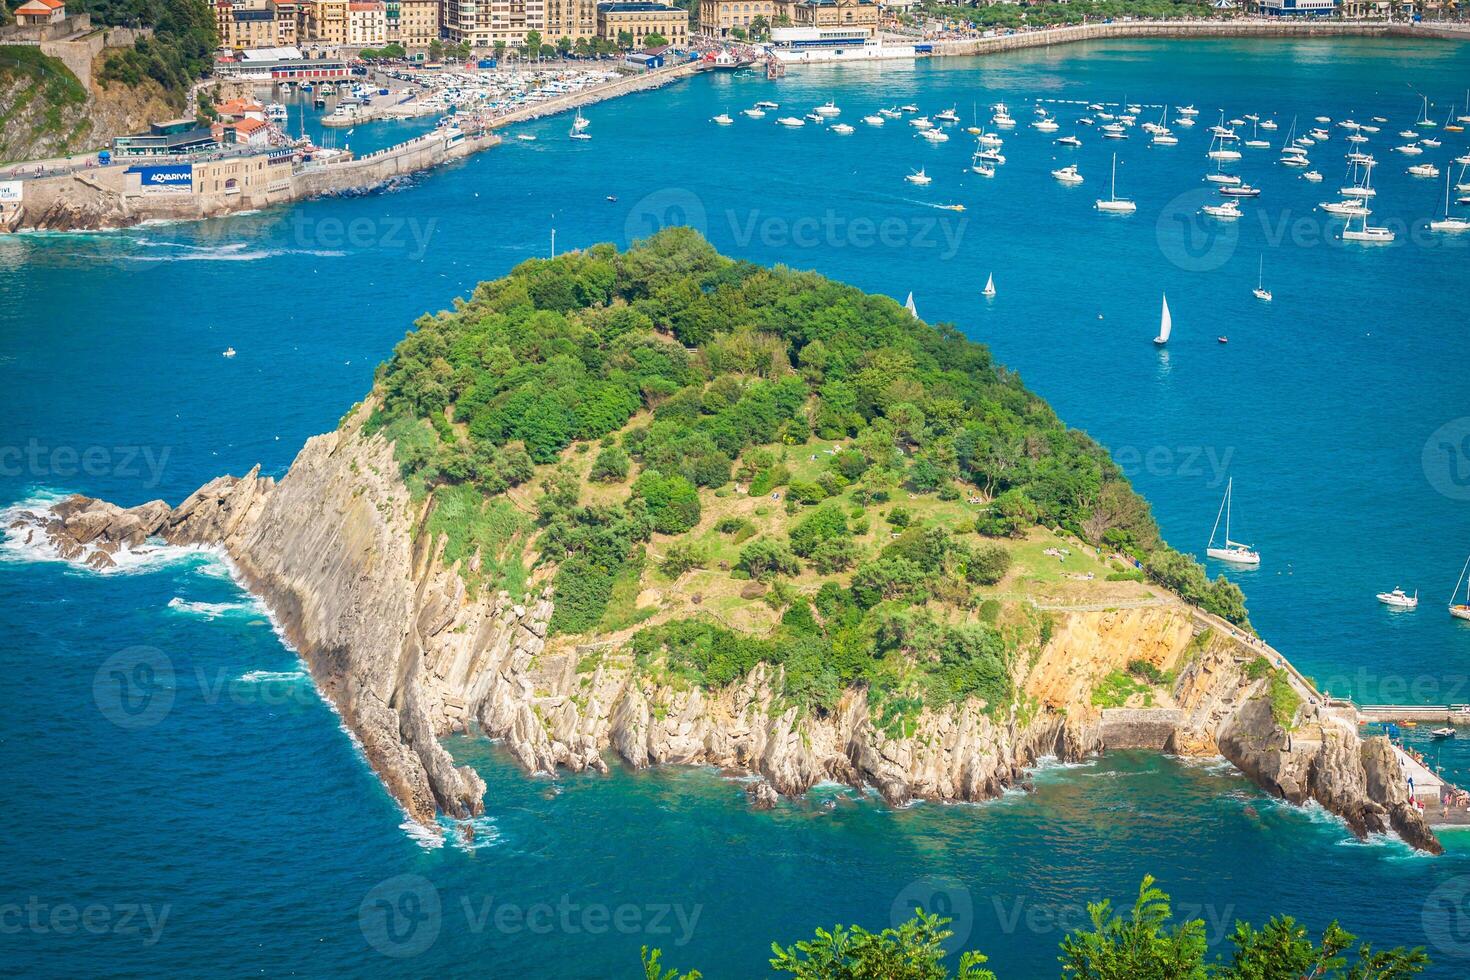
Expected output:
{"points": [[1139, 945], [654, 40], [625, 40], [653, 968], [611, 466], [764, 559], [911, 951], [532, 45], [563, 46], [673, 502]]}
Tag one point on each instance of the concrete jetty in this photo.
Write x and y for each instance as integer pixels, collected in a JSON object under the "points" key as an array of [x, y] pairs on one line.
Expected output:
{"points": [[118, 195]]}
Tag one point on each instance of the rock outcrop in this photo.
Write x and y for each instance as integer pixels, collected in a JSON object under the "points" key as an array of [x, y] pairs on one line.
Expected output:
{"points": [[408, 654]]}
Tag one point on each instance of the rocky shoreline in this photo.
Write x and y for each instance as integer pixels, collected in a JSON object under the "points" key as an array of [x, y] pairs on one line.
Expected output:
{"points": [[407, 654]]}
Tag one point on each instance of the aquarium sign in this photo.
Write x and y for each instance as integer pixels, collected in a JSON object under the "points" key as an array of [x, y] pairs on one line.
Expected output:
{"points": [[176, 176], [11, 191]]}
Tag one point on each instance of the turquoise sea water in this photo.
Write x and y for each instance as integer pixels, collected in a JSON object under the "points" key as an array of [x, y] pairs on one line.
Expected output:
{"points": [[234, 811]]}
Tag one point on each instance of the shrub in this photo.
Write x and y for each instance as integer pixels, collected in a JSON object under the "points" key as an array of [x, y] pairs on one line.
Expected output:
{"points": [[988, 564], [682, 556], [764, 559], [611, 466], [673, 502], [826, 523]]}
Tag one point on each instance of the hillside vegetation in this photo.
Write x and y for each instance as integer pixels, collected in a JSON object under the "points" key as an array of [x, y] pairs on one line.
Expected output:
{"points": [[812, 477], [40, 101], [45, 110]]}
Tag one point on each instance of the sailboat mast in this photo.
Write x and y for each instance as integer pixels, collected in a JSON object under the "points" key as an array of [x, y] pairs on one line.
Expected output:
{"points": [[1229, 489], [1219, 513], [1456, 593]]}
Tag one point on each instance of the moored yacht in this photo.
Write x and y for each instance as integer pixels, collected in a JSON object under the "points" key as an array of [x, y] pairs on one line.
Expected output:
{"points": [[1231, 551], [1399, 599], [1067, 174], [1114, 203]]}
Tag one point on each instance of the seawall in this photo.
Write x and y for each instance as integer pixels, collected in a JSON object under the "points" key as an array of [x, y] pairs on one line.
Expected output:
{"points": [[111, 197], [104, 197]]}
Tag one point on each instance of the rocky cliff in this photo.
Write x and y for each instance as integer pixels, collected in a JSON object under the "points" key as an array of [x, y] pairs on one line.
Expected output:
{"points": [[47, 112], [408, 654]]}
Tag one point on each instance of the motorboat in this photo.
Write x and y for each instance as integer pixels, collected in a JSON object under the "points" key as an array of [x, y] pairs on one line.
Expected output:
{"points": [[1228, 211], [919, 177], [1067, 174], [843, 129], [723, 119], [827, 109], [1399, 599], [791, 121]]}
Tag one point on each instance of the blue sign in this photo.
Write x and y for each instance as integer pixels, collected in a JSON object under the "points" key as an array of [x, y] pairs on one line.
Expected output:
{"points": [[176, 176]]}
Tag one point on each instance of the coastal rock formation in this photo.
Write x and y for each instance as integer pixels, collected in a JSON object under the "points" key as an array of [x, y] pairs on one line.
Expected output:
{"points": [[408, 653]]}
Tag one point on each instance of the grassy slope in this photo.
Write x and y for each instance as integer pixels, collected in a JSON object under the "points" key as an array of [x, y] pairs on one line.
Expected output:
{"points": [[941, 642]]}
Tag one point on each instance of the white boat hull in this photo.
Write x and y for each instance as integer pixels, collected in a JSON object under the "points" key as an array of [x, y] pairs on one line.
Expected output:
{"points": [[1236, 556]]}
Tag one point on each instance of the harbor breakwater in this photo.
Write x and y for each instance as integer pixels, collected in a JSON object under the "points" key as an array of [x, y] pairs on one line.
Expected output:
{"points": [[98, 198]]}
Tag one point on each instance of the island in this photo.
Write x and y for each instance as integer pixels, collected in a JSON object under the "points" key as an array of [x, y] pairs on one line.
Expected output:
{"points": [[667, 507]]}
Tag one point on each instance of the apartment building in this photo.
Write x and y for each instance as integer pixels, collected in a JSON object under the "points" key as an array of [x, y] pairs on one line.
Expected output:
{"points": [[326, 20], [413, 23], [574, 19], [719, 17], [481, 23], [639, 19], [367, 23]]}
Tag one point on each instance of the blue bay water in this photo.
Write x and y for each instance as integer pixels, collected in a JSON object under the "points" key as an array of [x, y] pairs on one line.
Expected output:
{"points": [[245, 810]]}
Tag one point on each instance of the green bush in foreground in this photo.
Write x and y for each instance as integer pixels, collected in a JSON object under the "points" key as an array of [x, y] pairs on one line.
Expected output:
{"points": [[1143, 944]]}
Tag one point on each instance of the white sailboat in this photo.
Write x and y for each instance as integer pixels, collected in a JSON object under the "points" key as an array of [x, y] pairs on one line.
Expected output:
{"points": [[1114, 203], [1166, 325], [1366, 232], [908, 304], [581, 122], [989, 289], [1261, 292], [1231, 551], [1449, 222], [1461, 610]]}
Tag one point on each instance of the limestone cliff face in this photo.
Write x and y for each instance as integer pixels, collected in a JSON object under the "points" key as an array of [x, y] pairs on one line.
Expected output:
{"points": [[407, 654]]}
